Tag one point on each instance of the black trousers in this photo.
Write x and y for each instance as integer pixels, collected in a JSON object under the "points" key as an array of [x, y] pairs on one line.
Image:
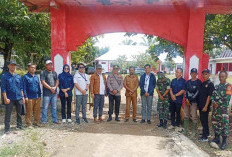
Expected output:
{"points": [[175, 113], [9, 107], [114, 101], [63, 107], [204, 122]]}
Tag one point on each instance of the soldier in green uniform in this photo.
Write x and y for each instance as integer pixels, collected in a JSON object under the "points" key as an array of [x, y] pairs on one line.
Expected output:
{"points": [[162, 88], [220, 117]]}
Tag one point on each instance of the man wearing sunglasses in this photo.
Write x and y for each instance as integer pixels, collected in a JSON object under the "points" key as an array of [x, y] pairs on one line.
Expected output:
{"points": [[81, 83]]}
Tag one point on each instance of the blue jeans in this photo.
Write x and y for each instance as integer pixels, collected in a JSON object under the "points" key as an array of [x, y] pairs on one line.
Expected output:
{"points": [[81, 100], [146, 107], [46, 101], [98, 104]]}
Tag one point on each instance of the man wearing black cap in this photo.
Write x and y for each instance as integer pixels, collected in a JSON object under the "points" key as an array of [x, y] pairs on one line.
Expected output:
{"points": [[205, 92], [115, 84], [191, 96], [12, 91]]}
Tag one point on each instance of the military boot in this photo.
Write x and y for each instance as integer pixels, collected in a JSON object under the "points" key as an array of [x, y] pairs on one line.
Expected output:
{"points": [[161, 123], [165, 124], [216, 139], [194, 130], [186, 126], [223, 146]]}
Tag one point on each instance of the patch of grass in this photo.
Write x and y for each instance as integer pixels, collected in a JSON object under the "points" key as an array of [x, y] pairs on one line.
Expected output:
{"points": [[32, 146]]}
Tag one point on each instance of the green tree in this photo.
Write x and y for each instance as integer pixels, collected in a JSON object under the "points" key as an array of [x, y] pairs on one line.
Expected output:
{"points": [[121, 61], [88, 52], [128, 42], [218, 32], [169, 63], [143, 59], [24, 33]]}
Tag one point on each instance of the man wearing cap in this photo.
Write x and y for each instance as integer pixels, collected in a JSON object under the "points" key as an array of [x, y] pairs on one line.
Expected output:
{"points": [[12, 91], [163, 88], [32, 94], [176, 92], [98, 91], [115, 84], [147, 85], [131, 83], [50, 82], [205, 92], [191, 97]]}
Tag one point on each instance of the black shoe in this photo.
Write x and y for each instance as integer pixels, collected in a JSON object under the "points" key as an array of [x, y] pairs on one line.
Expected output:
{"points": [[148, 121], [165, 124], [85, 120], [142, 121], [216, 139], [109, 119], [7, 132], [134, 120], [161, 123], [19, 128], [126, 120], [203, 139], [223, 146], [117, 119], [78, 121]]}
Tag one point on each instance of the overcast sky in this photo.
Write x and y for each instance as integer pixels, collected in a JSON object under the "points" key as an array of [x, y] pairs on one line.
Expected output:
{"points": [[112, 39]]}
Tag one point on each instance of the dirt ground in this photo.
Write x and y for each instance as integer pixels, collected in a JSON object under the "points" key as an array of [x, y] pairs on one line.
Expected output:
{"points": [[102, 140]]}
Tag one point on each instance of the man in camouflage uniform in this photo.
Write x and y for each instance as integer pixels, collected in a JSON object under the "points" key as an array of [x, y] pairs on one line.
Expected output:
{"points": [[162, 88], [114, 84], [220, 117]]}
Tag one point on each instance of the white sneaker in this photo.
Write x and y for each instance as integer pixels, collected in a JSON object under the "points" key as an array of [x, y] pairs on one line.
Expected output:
{"points": [[178, 129], [69, 120], [63, 120], [171, 127]]}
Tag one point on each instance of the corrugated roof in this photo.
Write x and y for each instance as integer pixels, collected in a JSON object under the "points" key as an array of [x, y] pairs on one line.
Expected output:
{"points": [[225, 53]]}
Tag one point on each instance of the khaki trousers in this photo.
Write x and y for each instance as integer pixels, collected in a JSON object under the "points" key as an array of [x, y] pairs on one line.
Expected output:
{"points": [[130, 99], [33, 105], [191, 110]]}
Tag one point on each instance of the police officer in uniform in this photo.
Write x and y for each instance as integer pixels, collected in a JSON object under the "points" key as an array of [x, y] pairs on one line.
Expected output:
{"points": [[115, 84], [191, 96], [204, 102], [220, 116], [163, 88]]}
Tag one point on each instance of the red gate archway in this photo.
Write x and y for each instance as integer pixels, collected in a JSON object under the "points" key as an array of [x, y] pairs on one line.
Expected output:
{"points": [[179, 21]]}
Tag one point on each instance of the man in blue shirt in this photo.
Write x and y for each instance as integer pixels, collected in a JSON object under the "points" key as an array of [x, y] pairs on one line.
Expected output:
{"points": [[32, 94], [12, 91], [176, 92], [147, 86]]}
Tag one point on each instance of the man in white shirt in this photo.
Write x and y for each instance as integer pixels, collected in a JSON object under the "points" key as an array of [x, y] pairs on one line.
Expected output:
{"points": [[81, 83]]}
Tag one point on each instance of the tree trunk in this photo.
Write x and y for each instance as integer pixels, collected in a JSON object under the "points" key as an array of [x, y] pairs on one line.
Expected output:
{"points": [[7, 55]]}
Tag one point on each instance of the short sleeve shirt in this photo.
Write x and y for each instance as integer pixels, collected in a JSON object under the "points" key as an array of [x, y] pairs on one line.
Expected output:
{"points": [[206, 89], [50, 77], [82, 80]]}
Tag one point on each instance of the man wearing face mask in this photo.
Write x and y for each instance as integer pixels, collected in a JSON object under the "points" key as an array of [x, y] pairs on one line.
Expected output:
{"points": [[163, 88], [131, 83]]}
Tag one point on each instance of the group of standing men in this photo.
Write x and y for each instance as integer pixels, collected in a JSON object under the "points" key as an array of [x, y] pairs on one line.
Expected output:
{"points": [[198, 95]]}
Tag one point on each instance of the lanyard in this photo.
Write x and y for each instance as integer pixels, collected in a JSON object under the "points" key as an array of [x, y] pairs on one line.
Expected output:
{"points": [[83, 76], [147, 78]]}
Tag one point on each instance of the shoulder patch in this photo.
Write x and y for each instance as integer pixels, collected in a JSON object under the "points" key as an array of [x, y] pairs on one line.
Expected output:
{"points": [[229, 90]]}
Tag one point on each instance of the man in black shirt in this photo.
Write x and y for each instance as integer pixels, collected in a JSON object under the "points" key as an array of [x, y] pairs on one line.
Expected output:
{"points": [[191, 96], [205, 92]]}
